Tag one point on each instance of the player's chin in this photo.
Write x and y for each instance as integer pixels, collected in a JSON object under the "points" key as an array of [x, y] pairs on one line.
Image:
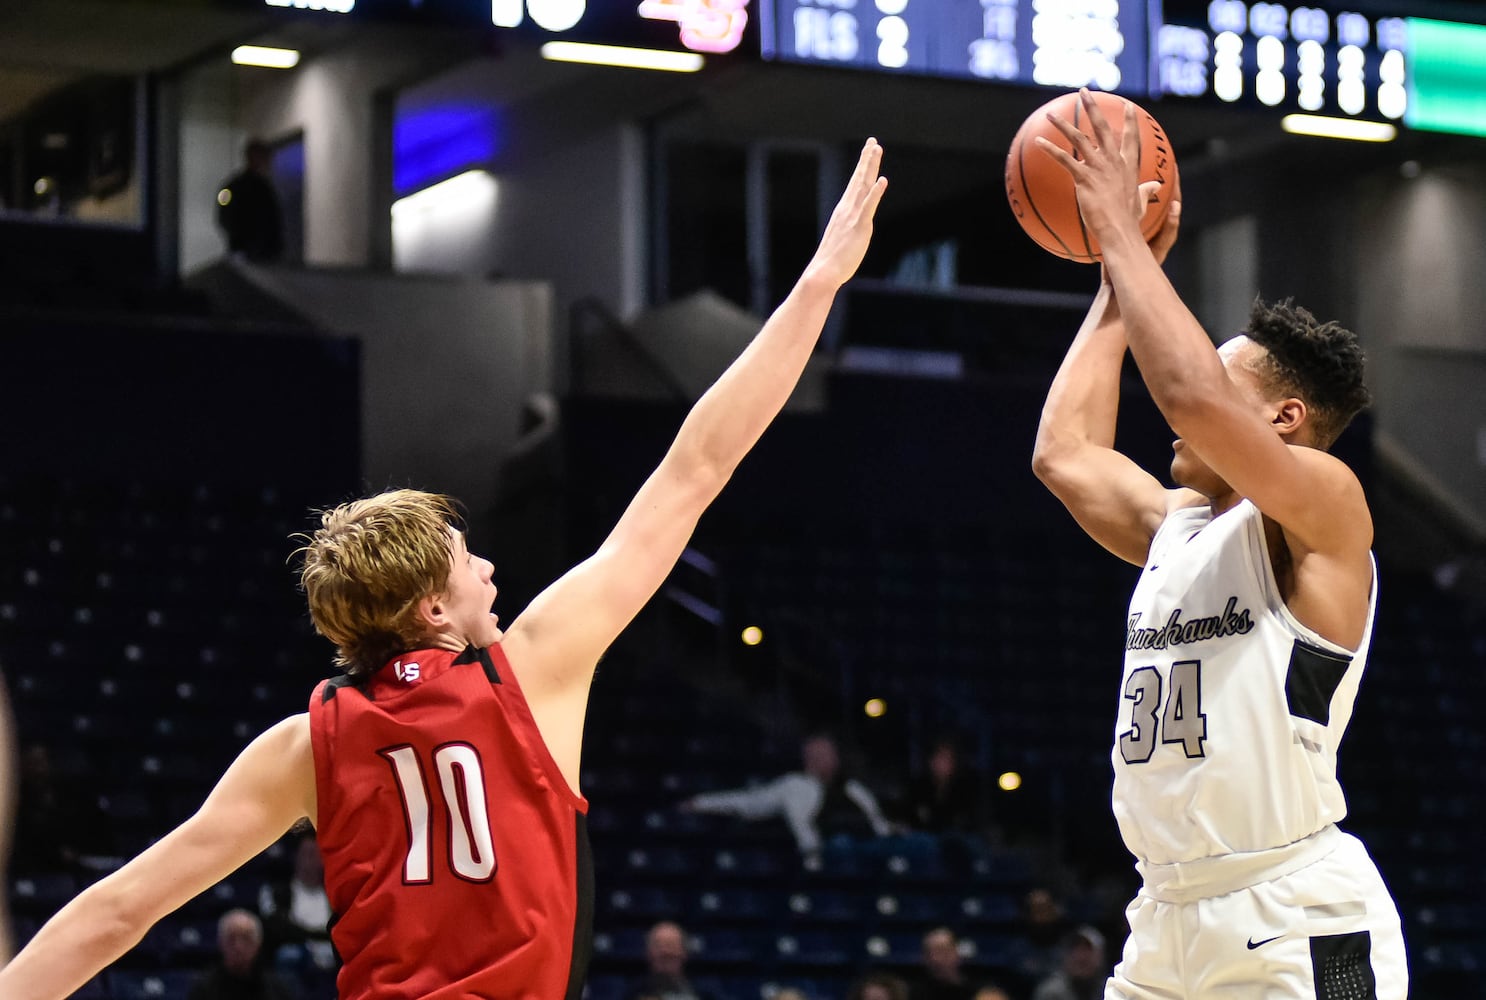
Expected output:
{"points": [[1181, 470]]}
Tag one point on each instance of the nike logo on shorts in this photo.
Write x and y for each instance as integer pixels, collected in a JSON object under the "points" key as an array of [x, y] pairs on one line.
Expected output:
{"points": [[1259, 944]]}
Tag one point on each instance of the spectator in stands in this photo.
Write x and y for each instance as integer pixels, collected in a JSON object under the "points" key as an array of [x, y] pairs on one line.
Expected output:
{"points": [[992, 991], [944, 798], [239, 975], [878, 986], [1083, 974], [665, 959], [818, 801], [57, 823], [942, 978], [296, 913], [1046, 927], [248, 207]]}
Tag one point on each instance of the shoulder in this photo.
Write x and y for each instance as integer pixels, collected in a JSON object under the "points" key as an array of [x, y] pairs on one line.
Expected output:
{"points": [[1336, 494]]}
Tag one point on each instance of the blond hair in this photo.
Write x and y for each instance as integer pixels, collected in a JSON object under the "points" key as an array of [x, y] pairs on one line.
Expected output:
{"points": [[366, 568]]}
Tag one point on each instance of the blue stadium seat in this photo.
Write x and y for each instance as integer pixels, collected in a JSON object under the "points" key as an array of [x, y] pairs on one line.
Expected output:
{"points": [[724, 945]]}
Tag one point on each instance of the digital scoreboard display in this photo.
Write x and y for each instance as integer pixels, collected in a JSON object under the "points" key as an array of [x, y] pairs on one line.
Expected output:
{"points": [[711, 26], [1319, 60], [1323, 57], [1052, 43]]}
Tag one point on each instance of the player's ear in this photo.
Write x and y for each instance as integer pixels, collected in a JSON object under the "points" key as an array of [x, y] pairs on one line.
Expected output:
{"points": [[1289, 416], [432, 613]]}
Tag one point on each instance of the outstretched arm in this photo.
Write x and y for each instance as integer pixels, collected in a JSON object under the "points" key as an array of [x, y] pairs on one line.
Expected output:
{"points": [[269, 788], [1311, 495], [556, 642], [1113, 499]]}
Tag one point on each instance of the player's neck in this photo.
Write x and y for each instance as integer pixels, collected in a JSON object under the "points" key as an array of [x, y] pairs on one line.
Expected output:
{"points": [[1223, 502]]}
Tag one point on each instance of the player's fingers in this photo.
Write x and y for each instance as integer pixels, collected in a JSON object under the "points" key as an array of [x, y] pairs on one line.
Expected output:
{"points": [[1067, 160], [1098, 124], [1130, 138], [865, 165], [1148, 192], [874, 198], [1081, 143], [1165, 239]]}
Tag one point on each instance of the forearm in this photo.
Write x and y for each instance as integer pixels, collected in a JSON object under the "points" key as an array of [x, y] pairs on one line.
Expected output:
{"points": [[1175, 356], [1084, 399], [87, 935], [732, 415], [749, 803]]}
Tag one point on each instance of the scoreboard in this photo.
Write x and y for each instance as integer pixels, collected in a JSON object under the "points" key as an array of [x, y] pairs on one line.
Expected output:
{"points": [[1359, 59], [1335, 58], [1054, 43], [1296, 58]]}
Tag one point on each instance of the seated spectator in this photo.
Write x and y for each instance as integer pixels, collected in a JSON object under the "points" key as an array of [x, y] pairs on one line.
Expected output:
{"points": [[1083, 974], [944, 798], [296, 913], [239, 975], [818, 801], [878, 986], [665, 958], [1045, 926], [992, 991], [58, 823], [941, 978]]}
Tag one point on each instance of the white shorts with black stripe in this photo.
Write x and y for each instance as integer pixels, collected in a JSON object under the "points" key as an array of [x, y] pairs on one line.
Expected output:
{"points": [[1326, 930]]}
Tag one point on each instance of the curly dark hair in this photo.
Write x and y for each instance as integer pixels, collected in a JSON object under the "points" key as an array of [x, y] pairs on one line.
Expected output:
{"points": [[1321, 363]]}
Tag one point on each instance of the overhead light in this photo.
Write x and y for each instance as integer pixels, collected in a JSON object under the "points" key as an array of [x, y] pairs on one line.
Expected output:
{"points": [[1339, 128], [262, 55], [619, 55], [461, 190]]}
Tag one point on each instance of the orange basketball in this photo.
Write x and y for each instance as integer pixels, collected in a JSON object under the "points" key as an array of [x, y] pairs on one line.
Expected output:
{"points": [[1041, 191]]}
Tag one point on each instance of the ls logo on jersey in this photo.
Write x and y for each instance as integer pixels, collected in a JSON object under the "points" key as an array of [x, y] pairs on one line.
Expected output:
{"points": [[406, 672], [1177, 632]]}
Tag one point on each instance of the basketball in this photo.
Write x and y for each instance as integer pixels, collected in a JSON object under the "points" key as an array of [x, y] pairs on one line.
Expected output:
{"points": [[1041, 192]]}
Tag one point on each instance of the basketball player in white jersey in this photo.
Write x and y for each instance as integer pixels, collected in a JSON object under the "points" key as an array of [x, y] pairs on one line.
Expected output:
{"points": [[1247, 632]]}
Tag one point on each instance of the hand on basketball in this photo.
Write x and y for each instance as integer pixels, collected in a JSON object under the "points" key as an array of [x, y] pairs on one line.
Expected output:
{"points": [[1105, 170], [1165, 239], [845, 240]]}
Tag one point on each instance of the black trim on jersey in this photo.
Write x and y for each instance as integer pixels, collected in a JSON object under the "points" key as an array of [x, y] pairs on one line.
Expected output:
{"points": [[480, 655], [1342, 967], [583, 921], [1312, 679], [343, 681]]}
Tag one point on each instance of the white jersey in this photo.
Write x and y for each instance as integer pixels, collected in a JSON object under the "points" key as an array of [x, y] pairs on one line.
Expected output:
{"points": [[1232, 710]]}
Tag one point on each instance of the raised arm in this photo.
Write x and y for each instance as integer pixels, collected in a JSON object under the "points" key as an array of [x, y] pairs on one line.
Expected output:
{"points": [[1314, 497], [269, 788], [1113, 499], [556, 642]]}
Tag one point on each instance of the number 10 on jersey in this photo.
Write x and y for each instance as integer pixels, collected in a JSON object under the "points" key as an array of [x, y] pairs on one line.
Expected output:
{"points": [[462, 784], [1180, 720]]}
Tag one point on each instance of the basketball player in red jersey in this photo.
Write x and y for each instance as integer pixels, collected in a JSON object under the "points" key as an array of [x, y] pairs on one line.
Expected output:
{"points": [[441, 773]]}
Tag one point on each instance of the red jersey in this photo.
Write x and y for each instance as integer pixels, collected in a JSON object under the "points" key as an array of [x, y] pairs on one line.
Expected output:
{"points": [[456, 856]]}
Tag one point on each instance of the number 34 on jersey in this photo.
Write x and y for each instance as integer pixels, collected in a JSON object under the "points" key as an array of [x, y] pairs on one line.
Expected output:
{"points": [[1160, 713]]}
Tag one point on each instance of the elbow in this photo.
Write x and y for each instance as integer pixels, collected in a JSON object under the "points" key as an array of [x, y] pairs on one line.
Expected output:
{"points": [[1051, 460], [117, 920]]}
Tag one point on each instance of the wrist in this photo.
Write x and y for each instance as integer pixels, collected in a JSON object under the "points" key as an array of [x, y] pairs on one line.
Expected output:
{"points": [[1119, 244], [817, 281]]}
